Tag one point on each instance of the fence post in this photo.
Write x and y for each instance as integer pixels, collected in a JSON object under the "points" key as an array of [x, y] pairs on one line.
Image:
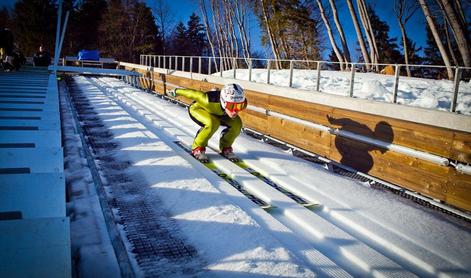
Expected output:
{"points": [[318, 80], [250, 69], [199, 65], [191, 64], [396, 82], [234, 67], [158, 61], [209, 66], [165, 62], [291, 73], [176, 63], [352, 79], [155, 58], [456, 89], [220, 66], [268, 71]]}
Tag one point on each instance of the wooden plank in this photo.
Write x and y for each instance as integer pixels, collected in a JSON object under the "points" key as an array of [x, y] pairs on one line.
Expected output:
{"points": [[461, 147], [307, 138], [256, 121], [300, 109], [459, 192]]}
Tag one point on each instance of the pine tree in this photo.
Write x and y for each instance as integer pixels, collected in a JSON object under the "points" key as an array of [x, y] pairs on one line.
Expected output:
{"points": [[196, 36], [85, 24], [180, 40], [387, 47], [4, 18], [34, 23], [128, 30]]}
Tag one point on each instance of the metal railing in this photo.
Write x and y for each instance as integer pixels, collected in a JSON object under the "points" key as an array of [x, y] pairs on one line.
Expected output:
{"points": [[270, 71]]}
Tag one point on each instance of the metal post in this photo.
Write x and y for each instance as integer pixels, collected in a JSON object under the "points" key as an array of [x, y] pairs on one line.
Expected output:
{"points": [[183, 63], [318, 81], [199, 65], [158, 61], [191, 64], [291, 73], [155, 58], [456, 89], [220, 67], [352, 79], [58, 31], [176, 62], [396, 82], [209, 66], [250, 69], [169, 62], [234, 67], [268, 71]]}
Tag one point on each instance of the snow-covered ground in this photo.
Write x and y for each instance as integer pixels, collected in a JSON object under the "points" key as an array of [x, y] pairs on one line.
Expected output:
{"points": [[358, 230], [421, 92]]}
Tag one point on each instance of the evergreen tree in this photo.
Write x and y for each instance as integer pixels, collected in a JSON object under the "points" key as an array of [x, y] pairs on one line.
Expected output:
{"points": [[432, 54], [85, 28], [127, 30], [4, 18], [388, 49], [180, 40], [34, 23], [196, 36]]}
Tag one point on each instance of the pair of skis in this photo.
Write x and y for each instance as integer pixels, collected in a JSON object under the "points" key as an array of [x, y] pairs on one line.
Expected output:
{"points": [[239, 162]]}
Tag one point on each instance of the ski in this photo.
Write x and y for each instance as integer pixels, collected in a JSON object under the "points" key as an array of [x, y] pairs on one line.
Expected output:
{"points": [[215, 169], [268, 181]]}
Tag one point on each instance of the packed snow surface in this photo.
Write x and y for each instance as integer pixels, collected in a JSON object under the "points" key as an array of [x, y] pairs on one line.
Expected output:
{"points": [[358, 230]]}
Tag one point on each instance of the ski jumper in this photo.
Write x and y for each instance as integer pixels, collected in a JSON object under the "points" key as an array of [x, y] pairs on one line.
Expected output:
{"points": [[207, 112]]}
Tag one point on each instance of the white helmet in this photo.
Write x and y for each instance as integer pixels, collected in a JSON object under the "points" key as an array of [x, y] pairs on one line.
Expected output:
{"points": [[232, 93]]}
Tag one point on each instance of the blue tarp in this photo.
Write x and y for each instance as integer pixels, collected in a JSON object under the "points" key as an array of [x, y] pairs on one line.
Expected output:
{"points": [[91, 55]]}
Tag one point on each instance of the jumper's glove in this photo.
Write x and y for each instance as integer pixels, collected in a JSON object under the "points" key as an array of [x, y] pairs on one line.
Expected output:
{"points": [[172, 93]]}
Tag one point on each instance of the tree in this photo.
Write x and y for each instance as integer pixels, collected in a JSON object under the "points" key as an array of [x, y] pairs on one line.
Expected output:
{"points": [[127, 30], [404, 11], [85, 25], [34, 24], [346, 51], [162, 11], [4, 18], [196, 36], [433, 30], [180, 40], [290, 27], [457, 23], [361, 42], [331, 35], [369, 31], [387, 47]]}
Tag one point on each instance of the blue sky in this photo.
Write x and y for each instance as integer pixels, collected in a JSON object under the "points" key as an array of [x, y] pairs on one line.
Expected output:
{"points": [[182, 9]]}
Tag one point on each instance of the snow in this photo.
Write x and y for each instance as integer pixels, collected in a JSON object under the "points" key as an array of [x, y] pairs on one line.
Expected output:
{"points": [[421, 92], [358, 231]]}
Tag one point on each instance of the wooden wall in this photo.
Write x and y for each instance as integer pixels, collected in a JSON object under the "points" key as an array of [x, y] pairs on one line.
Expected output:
{"points": [[439, 182]]}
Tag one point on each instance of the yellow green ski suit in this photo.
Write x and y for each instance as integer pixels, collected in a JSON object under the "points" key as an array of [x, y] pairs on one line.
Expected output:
{"points": [[207, 112]]}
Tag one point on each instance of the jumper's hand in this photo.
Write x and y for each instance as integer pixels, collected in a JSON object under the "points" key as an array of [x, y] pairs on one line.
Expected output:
{"points": [[171, 93]]}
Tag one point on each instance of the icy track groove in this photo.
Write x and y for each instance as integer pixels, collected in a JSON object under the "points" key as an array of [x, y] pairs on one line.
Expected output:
{"points": [[364, 231]]}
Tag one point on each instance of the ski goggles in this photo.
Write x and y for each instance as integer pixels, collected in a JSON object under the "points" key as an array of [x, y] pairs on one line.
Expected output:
{"points": [[236, 106]]}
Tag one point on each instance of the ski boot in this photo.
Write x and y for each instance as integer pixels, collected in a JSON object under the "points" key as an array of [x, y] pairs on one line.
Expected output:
{"points": [[229, 154], [200, 154]]}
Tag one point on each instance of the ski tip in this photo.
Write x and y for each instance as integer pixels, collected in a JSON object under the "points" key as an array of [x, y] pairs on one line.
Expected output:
{"points": [[267, 207]]}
